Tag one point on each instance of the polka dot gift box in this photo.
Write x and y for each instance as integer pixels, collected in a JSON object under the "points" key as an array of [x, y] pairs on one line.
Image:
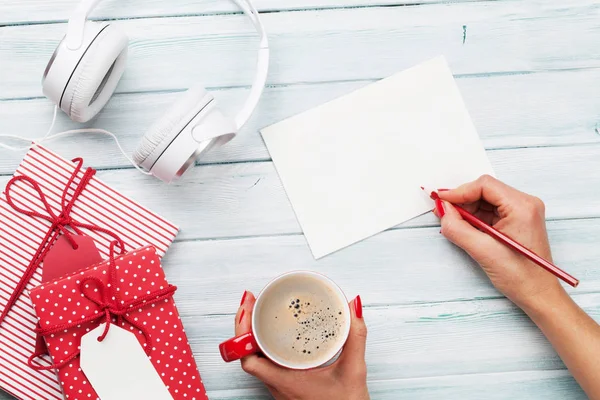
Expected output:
{"points": [[134, 293]]}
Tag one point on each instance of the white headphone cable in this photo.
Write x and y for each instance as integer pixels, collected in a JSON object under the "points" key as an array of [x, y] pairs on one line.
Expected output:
{"points": [[48, 137]]}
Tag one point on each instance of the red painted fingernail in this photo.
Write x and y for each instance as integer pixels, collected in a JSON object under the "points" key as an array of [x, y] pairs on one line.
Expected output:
{"points": [[443, 190], [243, 297], [241, 316], [358, 307], [439, 206], [432, 194]]}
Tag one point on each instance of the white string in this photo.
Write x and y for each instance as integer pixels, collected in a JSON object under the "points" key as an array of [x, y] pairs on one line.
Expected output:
{"points": [[47, 137]]}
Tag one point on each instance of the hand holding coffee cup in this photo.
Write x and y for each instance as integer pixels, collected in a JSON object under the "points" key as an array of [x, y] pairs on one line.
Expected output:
{"points": [[274, 327]]}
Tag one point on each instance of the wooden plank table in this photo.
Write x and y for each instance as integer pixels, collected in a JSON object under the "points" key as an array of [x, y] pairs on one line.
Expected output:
{"points": [[529, 73]]}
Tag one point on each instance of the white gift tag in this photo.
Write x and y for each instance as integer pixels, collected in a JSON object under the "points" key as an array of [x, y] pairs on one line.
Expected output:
{"points": [[118, 368]]}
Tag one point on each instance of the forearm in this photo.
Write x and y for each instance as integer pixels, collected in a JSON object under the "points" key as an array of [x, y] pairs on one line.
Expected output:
{"points": [[574, 335]]}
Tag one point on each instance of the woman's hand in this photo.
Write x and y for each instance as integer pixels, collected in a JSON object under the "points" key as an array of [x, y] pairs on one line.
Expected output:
{"points": [[514, 213], [574, 334], [345, 379]]}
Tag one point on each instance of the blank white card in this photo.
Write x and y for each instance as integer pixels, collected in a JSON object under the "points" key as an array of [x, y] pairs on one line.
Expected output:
{"points": [[353, 167]]}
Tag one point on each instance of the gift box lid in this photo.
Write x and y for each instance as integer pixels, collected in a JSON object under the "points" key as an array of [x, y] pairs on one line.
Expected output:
{"points": [[60, 301]]}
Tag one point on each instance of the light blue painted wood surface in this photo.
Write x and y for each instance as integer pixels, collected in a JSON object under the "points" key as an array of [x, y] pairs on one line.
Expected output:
{"points": [[529, 72]]}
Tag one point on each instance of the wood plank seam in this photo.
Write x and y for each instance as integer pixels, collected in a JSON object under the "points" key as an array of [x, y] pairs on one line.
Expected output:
{"points": [[396, 228], [280, 85], [387, 306], [261, 10]]}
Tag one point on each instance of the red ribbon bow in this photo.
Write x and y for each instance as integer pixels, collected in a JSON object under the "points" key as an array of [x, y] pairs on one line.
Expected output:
{"points": [[58, 225], [111, 307]]}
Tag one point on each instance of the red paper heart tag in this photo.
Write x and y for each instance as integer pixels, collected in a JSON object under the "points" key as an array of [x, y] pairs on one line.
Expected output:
{"points": [[61, 260]]}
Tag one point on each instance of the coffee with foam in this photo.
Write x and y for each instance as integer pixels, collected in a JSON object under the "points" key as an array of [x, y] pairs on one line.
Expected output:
{"points": [[301, 320]]}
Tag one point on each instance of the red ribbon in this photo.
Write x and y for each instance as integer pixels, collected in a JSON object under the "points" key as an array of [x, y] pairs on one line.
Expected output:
{"points": [[58, 225], [110, 307]]}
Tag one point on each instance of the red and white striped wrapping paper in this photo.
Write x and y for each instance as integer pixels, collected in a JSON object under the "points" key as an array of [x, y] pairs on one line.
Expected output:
{"points": [[20, 236]]}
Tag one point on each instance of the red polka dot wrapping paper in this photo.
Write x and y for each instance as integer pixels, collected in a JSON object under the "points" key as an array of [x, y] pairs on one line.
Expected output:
{"points": [[138, 274], [20, 236]]}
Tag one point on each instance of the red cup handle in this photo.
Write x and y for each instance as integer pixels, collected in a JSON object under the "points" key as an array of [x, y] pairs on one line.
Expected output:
{"points": [[238, 347]]}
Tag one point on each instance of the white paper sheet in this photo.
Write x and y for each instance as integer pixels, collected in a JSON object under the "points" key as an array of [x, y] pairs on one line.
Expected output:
{"points": [[353, 167]]}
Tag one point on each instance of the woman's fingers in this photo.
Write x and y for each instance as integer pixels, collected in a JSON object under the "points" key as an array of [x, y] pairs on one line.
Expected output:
{"points": [[254, 365], [243, 318], [489, 217], [485, 187], [462, 234], [353, 355], [472, 207]]}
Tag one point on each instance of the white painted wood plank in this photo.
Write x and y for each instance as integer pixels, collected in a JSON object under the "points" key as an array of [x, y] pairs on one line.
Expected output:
{"points": [[330, 45], [542, 109], [247, 199], [33, 11], [406, 266], [513, 385], [474, 337], [547, 385]]}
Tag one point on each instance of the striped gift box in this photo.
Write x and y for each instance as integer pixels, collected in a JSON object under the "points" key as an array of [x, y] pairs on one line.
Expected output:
{"points": [[20, 237]]}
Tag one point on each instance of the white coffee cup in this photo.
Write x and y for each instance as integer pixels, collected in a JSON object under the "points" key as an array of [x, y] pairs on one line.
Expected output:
{"points": [[301, 320]]}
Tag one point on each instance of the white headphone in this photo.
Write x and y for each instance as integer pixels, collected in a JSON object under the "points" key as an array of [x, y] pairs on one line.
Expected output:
{"points": [[85, 69]]}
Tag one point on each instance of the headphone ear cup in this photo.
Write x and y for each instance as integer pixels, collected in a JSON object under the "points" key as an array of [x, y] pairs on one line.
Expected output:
{"points": [[97, 75], [165, 129]]}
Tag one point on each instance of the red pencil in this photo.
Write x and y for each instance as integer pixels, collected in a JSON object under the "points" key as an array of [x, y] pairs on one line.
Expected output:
{"points": [[482, 226]]}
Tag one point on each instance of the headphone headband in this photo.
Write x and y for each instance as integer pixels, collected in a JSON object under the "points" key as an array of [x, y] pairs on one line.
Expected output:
{"points": [[76, 25], [74, 40], [262, 65]]}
